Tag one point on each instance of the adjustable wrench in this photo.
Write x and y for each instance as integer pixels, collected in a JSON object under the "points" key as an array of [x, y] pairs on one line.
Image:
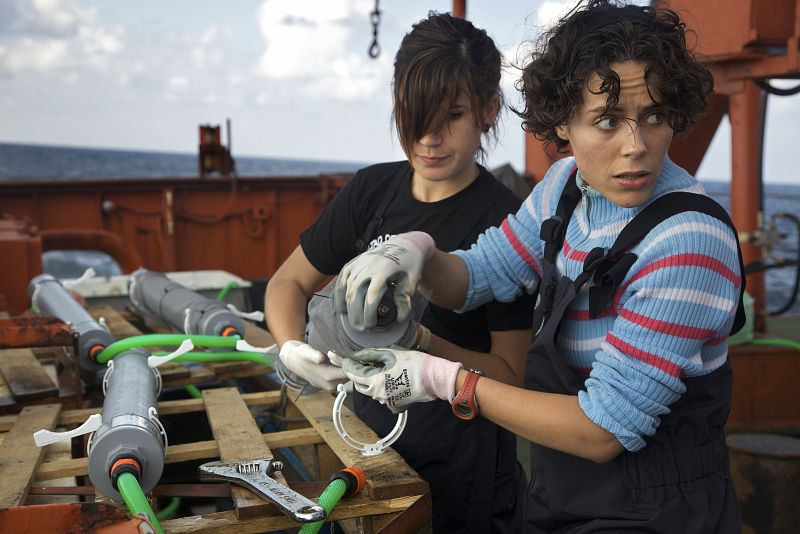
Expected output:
{"points": [[256, 476]]}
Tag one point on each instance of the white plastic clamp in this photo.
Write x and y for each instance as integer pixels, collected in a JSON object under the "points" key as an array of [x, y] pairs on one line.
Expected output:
{"points": [[256, 316], [46, 437], [367, 449]]}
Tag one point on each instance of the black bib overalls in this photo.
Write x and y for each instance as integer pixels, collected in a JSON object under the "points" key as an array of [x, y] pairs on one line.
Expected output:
{"points": [[679, 483]]}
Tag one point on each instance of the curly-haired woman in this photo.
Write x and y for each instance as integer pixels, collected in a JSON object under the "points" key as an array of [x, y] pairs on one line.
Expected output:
{"points": [[628, 383]]}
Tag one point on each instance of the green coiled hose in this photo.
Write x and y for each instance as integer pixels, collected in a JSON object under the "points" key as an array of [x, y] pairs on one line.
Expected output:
{"points": [[132, 494], [225, 290], [329, 498], [775, 342], [159, 340], [170, 509]]}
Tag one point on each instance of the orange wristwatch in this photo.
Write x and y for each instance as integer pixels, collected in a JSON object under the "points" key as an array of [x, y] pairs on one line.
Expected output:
{"points": [[465, 406]]}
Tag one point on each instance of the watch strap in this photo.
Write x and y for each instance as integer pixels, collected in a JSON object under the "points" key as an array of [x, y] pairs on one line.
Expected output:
{"points": [[464, 405]]}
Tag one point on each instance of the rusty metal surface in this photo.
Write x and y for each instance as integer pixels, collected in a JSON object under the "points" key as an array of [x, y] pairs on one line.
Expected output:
{"points": [[35, 331], [18, 240], [247, 226], [63, 518], [766, 472]]}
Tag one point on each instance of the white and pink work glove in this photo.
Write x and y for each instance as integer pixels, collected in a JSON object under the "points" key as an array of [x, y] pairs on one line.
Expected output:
{"points": [[398, 378], [311, 365], [397, 262]]}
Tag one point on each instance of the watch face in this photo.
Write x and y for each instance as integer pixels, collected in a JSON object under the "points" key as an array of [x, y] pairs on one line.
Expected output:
{"points": [[463, 410]]}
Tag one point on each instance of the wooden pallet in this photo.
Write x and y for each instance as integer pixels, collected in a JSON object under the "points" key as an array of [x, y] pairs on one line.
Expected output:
{"points": [[25, 377], [395, 499]]}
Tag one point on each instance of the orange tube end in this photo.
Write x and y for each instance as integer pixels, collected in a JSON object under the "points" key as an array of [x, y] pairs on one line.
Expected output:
{"points": [[94, 351], [361, 478], [229, 331]]}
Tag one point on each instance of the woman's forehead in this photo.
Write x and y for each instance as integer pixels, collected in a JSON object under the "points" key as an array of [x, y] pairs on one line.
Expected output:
{"points": [[633, 83]]}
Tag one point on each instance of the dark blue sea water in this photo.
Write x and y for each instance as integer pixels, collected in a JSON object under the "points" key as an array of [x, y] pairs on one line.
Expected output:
{"points": [[40, 162], [33, 162], [778, 198]]}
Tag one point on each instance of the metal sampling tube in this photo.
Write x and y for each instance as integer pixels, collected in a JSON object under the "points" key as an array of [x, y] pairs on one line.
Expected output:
{"points": [[131, 437], [51, 298], [185, 310]]}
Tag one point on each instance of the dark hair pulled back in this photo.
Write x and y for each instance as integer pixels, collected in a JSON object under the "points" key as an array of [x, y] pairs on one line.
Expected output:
{"points": [[441, 58]]}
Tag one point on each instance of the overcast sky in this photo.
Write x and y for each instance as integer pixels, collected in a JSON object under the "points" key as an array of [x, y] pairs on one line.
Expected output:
{"points": [[292, 75]]}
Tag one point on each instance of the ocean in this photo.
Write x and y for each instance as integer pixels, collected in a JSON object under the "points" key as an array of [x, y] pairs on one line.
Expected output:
{"points": [[40, 162]]}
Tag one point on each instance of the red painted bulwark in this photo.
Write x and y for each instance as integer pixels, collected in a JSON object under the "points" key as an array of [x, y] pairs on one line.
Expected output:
{"points": [[20, 260], [246, 226]]}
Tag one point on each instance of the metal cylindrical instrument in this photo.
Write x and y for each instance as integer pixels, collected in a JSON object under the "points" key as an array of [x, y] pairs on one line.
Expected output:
{"points": [[50, 297], [130, 429], [183, 309]]}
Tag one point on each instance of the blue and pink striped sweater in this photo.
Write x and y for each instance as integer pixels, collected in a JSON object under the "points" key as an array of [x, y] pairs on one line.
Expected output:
{"points": [[669, 319]]}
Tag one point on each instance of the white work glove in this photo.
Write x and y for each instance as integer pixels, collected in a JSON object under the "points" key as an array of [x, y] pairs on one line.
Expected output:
{"points": [[362, 282], [311, 365], [398, 378]]}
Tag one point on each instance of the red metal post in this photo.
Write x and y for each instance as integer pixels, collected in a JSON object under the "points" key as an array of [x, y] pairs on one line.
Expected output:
{"points": [[460, 8], [746, 110]]}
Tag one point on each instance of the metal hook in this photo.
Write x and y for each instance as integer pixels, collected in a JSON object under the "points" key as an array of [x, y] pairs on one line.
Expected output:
{"points": [[375, 20]]}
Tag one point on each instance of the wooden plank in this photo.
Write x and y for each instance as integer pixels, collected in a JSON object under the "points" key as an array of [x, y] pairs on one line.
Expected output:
{"points": [[226, 522], [4, 391], [199, 450], [53, 453], [119, 326], [387, 474], [238, 439], [70, 417], [19, 456], [202, 375], [219, 368], [24, 376], [257, 336]]}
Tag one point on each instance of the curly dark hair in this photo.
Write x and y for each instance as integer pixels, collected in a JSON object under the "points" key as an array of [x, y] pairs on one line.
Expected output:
{"points": [[440, 58], [588, 41]]}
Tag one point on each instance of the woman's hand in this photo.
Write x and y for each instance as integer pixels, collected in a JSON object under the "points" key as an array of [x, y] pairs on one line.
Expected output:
{"points": [[397, 262], [399, 378], [311, 365]]}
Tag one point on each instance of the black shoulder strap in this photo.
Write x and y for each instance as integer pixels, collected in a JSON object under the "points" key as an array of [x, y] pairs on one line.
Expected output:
{"points": [[473, 211], [615, 263], [377, 216], [554, 230], [665, 207]]}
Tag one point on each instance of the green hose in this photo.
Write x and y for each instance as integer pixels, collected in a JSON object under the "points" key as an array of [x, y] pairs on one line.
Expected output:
{"points": [[158, 340], [329, 498], [132, 494], [193, 391], [775, 342], [170, 509], [225, 290]]}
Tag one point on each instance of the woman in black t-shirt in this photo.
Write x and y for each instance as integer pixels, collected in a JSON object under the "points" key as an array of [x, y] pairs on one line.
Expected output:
{"points": [[446, 95]]}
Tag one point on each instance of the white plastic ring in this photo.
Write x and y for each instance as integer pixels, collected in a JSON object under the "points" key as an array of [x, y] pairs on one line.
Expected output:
{"points": [[366, 449], [187, 321], [107, 375], [159, 381], [152, 413]]}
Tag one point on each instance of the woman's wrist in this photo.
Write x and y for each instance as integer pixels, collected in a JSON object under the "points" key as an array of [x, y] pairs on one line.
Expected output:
{"points": [[423, 340]]}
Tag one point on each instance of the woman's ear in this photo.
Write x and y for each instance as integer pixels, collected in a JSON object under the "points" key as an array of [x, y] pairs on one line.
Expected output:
{"points": [[493, 109], [562, 131]]}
